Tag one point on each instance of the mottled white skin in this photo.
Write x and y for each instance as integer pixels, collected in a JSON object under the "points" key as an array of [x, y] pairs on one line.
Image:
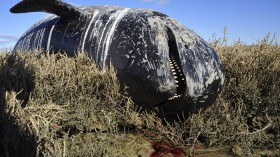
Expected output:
{"points": [[137, 43]]}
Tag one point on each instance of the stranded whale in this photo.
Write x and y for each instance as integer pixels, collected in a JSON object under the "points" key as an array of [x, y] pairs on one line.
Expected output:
{"points": [[161, 62]]}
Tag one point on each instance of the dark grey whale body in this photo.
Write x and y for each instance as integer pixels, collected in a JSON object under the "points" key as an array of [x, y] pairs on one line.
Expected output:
{"points": [[162, 63]]}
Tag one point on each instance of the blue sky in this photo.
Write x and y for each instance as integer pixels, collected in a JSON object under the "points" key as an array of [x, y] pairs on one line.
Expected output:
{"points": [[249, 20]]}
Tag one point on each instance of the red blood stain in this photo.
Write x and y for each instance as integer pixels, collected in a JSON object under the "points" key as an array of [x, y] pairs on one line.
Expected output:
{"points": [[165, 150]]}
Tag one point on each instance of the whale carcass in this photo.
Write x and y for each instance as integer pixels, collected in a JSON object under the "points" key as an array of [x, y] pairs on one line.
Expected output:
{"points": [[161, 62]]}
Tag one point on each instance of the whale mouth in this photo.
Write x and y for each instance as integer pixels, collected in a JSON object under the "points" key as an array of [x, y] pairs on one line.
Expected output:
{"points": [[176, 66], [178, 77]]}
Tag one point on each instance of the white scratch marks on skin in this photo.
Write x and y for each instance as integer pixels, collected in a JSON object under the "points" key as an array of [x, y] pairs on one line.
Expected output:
{"points": [[131, 64], [42, 37], [39, 39], [27, 41], [95, 33], [50, 36], [111, 33], [65, 31], [86, 33], [100, 40]]}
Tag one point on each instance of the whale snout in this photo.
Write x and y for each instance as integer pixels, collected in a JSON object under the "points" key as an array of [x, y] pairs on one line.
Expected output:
{"points": [[193, 76]]}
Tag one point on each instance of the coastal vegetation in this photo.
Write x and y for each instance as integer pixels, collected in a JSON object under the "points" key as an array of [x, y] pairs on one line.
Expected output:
{"points": [[54, 105]]}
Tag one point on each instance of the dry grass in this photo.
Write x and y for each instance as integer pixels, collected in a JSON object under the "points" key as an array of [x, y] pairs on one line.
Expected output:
{"points": [[53, 105]]}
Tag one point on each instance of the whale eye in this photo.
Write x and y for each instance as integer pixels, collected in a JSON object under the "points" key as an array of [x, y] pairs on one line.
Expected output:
{"points": [[175, 66]]}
